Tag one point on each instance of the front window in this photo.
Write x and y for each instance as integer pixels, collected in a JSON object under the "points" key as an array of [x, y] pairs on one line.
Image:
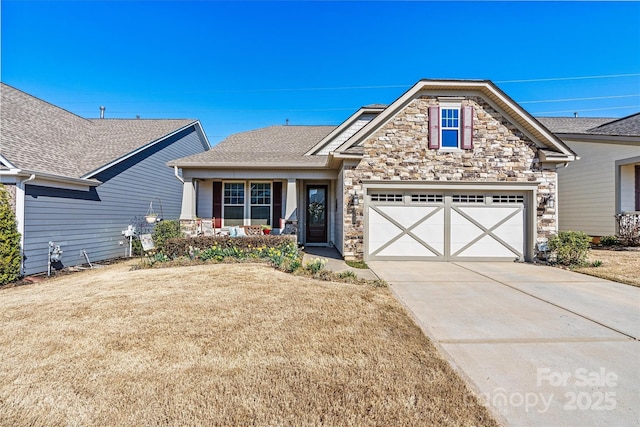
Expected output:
{"points": [[233, 204], [260, 203], [450, 127], [256, 205]]}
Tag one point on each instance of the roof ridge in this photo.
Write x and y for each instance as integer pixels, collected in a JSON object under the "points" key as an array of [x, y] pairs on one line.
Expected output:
{"points": [[615, 121], [44, 101]]}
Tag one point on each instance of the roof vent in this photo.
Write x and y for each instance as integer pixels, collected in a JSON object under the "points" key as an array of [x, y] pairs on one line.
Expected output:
{"points": [[102, 112]]}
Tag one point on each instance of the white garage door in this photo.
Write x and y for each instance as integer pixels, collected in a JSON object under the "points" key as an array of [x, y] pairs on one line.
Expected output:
{"points": [[445, 226]]}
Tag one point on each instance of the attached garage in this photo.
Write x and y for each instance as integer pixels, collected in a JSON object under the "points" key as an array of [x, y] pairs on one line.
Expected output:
{"points": [[457, 224]]}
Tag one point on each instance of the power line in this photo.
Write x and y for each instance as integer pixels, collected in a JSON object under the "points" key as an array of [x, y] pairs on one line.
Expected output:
{"points": [[552, 79], [578, 99], [584, 109], [394, 86]]}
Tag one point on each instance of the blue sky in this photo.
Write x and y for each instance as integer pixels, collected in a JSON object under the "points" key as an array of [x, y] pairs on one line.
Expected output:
{"points": [[244, 65]]}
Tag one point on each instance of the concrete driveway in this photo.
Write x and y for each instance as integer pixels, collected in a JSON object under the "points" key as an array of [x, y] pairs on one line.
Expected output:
{"points": [[539, 345]]}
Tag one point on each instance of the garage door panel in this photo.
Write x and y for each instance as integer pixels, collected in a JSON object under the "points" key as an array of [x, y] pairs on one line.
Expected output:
{"points": [[462, 232], [512, 232], [431, 231], [407, 216], [486, 247], [381, 230], [406, 246], [455, 227]]}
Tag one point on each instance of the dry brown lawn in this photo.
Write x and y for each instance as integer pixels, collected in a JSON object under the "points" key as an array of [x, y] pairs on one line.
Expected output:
{"points": [[622, 265], [232, 345]]}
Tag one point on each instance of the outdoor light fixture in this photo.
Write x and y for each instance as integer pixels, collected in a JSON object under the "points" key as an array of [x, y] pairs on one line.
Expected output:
{"points": [[355, 200], [547, 200]]}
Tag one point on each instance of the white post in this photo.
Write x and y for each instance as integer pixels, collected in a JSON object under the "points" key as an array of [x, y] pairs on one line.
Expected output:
{"points": [[188, 210], [291, 204], [20, 215]]}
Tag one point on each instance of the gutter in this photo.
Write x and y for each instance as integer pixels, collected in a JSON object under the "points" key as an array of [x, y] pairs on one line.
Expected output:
{"points": [[32, 175]]}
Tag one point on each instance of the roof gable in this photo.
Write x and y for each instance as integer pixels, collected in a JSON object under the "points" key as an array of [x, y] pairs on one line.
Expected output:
{"points": [[347, 129], [488, 91], [40, 137]]}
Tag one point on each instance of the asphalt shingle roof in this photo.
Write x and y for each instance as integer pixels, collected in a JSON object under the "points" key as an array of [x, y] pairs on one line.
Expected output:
{"points": [[273, 147], [41, 137], [626, 126], [572, 124]]}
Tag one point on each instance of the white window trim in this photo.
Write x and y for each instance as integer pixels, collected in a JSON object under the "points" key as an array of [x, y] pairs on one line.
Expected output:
{"points": [[450, 106], [244, 205], [249, 204]]}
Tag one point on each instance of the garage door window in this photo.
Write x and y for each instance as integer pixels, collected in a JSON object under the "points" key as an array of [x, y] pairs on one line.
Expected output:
{"points": [[385, 197], [503, 198], [468, 198], [427, 198]]}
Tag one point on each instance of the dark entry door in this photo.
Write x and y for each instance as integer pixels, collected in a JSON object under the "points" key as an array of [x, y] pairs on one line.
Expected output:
{"points": [[316, 216]]}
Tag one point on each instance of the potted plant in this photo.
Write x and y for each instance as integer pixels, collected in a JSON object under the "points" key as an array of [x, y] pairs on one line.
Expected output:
{"points": [[266, 229], [151, 217]]}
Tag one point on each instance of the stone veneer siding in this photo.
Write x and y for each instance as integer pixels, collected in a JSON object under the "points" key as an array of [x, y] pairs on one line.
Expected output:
{"points": [[399, 152]]}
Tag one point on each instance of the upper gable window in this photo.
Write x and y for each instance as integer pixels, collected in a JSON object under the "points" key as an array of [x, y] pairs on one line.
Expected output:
{"points": [[450, 127]]}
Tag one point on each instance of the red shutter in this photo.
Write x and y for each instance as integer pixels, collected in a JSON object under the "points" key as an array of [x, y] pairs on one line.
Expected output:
{"points": [[277, 204], [217, 203], [466, 139], [434, 128]]}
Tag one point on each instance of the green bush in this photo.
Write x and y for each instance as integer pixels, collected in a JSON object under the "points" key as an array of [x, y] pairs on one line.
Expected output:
{"points": [[609, 241], [281, 251], [165, 230], [315, 265], [9, 241], [570, 247]]}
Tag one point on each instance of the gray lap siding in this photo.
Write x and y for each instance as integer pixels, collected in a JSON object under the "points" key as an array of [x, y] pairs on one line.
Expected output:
{"points": [[93, 220]]}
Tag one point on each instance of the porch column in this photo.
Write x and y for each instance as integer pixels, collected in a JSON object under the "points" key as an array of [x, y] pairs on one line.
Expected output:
{"points": [[291, 204], [188, 210]]}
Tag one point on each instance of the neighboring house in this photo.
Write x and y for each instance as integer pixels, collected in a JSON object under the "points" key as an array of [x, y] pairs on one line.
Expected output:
{"points": [[80, 182], [606, 179], [451, 170]]}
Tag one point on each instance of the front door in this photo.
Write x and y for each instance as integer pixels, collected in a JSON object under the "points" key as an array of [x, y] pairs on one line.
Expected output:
{"points": [[316, 216]]}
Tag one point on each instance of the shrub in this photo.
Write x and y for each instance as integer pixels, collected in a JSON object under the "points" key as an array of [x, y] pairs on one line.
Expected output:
{"points": [[315, 265], [178, 247], [570, 247], [9, 241], [164, 231], [629, 228], [609, 241], [281, 251], [348, 276]]}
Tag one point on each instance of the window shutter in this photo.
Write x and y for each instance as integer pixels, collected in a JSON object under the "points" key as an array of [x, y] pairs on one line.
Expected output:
{"points": [[277, 204], [466, 138], [217, 203], [434, 127]]}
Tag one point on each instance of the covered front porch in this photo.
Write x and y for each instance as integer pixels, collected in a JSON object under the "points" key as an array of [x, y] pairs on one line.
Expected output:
{"points": [[303, 203]]}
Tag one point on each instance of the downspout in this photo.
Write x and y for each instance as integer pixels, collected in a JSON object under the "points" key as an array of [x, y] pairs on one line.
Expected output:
{"points": [[20, 215], [175, 172]]}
